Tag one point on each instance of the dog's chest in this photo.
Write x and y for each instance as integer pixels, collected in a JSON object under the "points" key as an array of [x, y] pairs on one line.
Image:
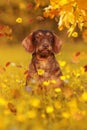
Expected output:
{"points": [[45, 65]]}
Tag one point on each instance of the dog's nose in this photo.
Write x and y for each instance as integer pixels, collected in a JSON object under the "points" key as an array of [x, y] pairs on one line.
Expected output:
{"points": [[45, 45]]}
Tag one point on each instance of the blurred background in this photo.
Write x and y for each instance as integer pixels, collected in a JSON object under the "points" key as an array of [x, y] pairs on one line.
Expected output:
{"points": [[19, 18]]}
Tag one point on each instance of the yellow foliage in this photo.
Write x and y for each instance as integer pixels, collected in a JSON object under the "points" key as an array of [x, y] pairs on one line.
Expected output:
{"points": [[50, 12], [69, 14], [58, 3]]}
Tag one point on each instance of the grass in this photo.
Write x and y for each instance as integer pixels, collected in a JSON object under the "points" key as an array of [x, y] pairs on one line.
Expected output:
{"points": [[61, 108]]}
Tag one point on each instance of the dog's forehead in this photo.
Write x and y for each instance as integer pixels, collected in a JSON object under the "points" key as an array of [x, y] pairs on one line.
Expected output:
{"points": [[43, 32]]}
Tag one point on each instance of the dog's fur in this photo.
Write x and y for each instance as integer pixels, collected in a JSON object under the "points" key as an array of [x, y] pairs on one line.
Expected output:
{"points": [[43, 44]]}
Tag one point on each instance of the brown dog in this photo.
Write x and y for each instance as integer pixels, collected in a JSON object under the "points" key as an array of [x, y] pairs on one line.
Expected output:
{"points": [[43, 45]]}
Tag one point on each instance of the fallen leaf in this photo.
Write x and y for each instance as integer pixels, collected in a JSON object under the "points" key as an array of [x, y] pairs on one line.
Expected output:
{"points": [[7, 64], [85, 68], [12, 108]]}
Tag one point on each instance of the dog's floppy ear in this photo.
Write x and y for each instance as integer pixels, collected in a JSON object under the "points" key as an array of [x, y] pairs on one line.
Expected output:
{"points": [[57, 43], [27, 43]]}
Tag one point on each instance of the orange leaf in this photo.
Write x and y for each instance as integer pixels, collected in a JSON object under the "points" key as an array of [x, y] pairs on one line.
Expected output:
{"points": [[26, 72], [12, 108], [77, 54], [7, 64], [85, 68]]}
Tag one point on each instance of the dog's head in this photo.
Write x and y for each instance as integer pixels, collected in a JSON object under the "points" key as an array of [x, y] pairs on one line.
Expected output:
{"points": [[42, 42]]}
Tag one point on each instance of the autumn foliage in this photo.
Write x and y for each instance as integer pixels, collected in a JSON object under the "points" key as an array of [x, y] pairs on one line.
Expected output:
{"points": [[70, 14], [19, 15]]}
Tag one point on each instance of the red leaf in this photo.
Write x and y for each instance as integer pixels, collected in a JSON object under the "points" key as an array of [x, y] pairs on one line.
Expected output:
{"points": [[7, 64], [29, 6], [77, 54], [31, 20], [85, 68]]}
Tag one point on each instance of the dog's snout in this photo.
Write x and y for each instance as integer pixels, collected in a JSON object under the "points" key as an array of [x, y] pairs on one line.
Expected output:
{"points": [[45, 45]]}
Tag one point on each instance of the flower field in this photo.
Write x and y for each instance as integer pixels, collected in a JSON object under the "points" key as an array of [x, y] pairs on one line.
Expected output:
{"points": [[62, 108]]}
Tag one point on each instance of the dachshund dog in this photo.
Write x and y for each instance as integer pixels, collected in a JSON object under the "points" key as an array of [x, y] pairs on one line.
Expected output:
{"points": [[43, 44]]}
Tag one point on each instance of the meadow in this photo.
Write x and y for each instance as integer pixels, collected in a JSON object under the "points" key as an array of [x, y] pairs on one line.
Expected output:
{"points": [[58, 109]]}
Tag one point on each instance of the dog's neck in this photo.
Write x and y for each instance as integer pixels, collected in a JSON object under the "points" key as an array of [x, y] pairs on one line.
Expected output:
{"points": [[43, 58]]}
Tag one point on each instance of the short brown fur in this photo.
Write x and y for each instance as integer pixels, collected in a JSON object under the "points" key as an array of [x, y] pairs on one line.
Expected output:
{"points": [[43, 44]]}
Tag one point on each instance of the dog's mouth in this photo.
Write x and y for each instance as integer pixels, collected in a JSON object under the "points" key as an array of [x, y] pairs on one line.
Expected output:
{"points": [[44, 52]]}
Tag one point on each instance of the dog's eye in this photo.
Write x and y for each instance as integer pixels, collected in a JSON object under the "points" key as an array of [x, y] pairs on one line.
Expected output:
{"points": [[39, 35], [48, 34], [50, 37]]}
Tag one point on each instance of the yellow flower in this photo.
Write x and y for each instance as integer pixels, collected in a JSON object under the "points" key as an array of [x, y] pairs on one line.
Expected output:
{"points": [[46, 83], [57, 90], [49, 109], [62, 63], [62, 78], [2, 101], [19, 20], [75, 34], [84, 96], [40, 72], [53, 81]]}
